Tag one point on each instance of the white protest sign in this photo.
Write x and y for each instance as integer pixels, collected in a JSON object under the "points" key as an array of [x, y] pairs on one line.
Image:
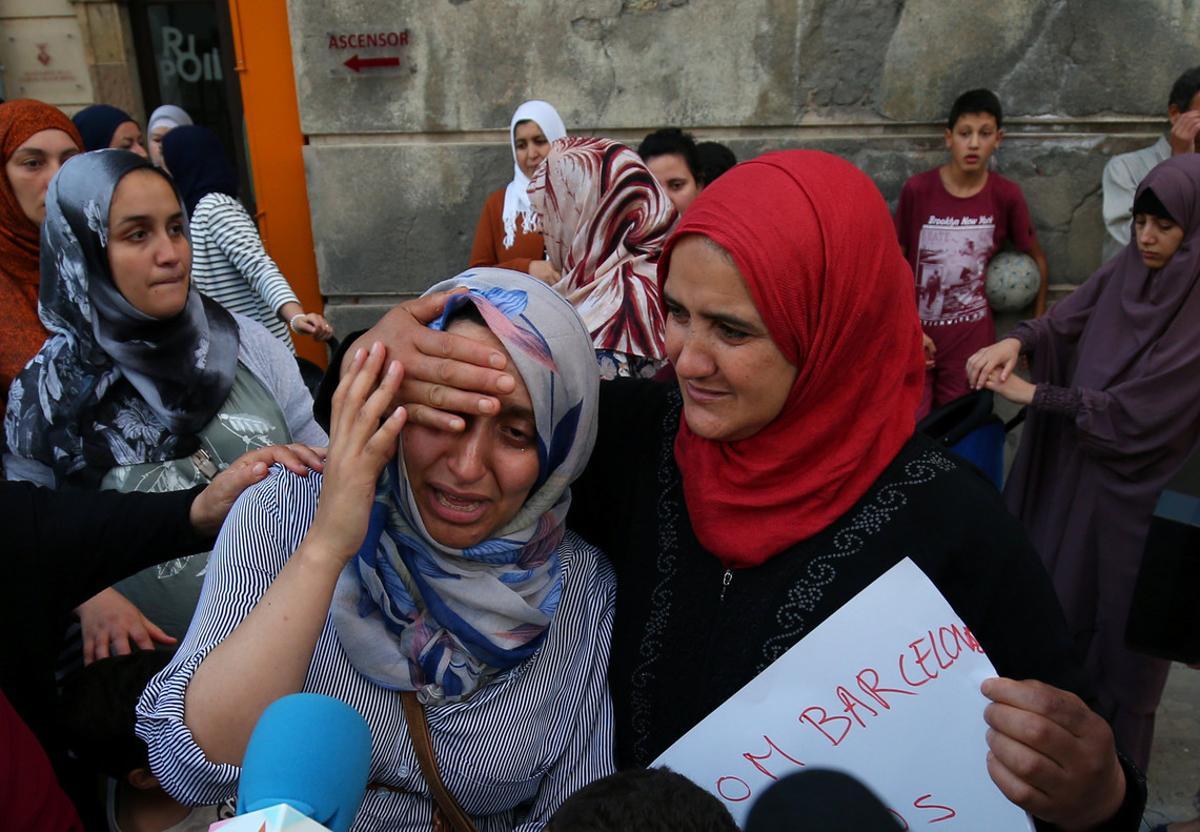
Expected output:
{"points": [[887, 689]]}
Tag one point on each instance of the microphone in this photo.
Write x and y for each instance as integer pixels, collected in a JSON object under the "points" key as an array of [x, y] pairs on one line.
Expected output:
{"points": [[305, 767], [820, 800]]}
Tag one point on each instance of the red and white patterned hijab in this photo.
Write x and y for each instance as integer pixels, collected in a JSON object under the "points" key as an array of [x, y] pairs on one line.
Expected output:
{"points": [[605, 219]]}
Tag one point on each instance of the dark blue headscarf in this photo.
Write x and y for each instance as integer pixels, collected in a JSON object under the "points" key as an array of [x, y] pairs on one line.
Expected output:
{"points": [[97, 124], [198, 163]]}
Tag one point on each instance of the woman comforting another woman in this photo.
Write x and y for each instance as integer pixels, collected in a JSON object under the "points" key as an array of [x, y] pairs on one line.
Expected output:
{"points": [[783, 476]]}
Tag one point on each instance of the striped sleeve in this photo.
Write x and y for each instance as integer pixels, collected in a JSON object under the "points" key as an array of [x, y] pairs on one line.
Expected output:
{"points": [[234, 233], [250, 552], [505, 778], [588, 754]]}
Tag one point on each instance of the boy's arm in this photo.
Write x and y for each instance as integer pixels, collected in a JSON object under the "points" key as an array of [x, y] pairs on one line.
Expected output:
{"points": [[903, 212], [1024, 237], [1039, 257]]}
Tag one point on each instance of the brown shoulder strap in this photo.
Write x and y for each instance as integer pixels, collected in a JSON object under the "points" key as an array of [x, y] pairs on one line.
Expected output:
{"points": [[418, 731]]}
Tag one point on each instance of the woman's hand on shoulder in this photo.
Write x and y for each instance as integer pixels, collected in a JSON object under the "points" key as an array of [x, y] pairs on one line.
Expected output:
{"points": [[112, 626], [363, 434], [211, 505], [1050, 754], [444, 374], [1000, 357]]}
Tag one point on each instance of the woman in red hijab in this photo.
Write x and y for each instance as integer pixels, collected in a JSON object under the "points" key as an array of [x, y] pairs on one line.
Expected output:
{"points": [[35, 139], [783, 476]]}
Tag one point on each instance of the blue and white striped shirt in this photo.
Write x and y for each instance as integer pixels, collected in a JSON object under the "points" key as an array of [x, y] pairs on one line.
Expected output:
{"points": [[230, 265], [511, 754]]}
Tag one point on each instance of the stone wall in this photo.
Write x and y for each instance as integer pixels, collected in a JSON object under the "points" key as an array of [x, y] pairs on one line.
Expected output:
{"points": [[400, 159]]}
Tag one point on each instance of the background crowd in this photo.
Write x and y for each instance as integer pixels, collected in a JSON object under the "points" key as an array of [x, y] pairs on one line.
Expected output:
{"points": [[661, 428]]}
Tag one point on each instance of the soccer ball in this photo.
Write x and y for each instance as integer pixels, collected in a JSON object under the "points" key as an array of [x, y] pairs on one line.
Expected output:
{"points": [[1013, 281]]}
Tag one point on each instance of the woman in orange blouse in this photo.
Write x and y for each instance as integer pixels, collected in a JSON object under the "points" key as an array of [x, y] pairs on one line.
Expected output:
{"points": [[503, 236]]}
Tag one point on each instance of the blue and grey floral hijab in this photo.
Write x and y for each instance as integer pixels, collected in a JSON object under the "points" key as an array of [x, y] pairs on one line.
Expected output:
{"points": [[111, 385], [412, 614]]}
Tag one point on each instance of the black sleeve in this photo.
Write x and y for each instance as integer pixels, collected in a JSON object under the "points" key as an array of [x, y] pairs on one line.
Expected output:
{"points": [[627, 446], [85, 541], [323, 401]]}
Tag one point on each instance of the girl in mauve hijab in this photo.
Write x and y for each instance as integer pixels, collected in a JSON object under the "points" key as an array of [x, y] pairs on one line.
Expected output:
{"points": [[782, 476], [1114, 412]]}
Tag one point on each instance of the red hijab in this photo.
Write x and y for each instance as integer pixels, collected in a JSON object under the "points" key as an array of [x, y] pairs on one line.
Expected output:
{"points": [[19, 276], [815, 243]]}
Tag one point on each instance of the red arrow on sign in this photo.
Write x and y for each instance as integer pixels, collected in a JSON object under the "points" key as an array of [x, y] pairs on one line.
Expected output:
{"points": [[359, 64]]}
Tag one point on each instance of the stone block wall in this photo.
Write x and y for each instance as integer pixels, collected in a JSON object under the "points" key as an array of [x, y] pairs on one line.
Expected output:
{"points": [[400, 159]]}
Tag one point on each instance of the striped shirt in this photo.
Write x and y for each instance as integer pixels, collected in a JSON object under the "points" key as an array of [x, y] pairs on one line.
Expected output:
{"points": [[230, 265], [511, 754]]}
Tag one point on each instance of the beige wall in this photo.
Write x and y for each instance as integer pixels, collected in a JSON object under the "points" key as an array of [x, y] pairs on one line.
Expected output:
{"points": [[70, 53]]}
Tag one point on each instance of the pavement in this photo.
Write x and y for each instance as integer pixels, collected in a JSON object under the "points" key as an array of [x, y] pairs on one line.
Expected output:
{"points": [[1174, 774]]}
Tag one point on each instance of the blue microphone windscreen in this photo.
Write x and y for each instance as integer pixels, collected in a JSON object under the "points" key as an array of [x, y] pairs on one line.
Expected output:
{"points": [[312, 752]]}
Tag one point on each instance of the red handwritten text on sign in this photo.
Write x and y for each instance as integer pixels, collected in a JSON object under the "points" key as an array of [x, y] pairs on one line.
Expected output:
{"points": [[865, 699]]}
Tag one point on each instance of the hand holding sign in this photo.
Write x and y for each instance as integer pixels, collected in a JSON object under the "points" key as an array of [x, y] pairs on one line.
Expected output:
{"points": [[887, 689], [1051, 754]]}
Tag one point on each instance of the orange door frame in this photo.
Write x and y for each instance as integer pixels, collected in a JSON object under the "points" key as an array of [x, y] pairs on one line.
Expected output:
{"points": [[263, 60]]}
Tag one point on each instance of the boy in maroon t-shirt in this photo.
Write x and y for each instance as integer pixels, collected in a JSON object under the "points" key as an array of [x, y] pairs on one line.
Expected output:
{"points": [[951, 220]]}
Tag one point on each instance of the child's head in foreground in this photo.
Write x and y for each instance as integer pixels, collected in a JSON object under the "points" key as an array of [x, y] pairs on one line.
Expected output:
{"points": [[650, 800]]}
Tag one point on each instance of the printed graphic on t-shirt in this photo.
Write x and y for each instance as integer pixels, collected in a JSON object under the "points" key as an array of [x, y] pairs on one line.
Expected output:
{"points": [[952, 258]]}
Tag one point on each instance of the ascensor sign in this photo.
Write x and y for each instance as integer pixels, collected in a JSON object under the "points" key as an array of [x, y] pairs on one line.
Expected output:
{"points": [[373, 50], [886, 689]]}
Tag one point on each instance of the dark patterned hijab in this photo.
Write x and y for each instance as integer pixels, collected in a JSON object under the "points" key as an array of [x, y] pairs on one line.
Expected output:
{"points": [[112, 385]]}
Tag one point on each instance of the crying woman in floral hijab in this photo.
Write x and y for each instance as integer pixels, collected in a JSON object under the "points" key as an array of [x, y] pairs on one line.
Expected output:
{"points": [[143, 384]]}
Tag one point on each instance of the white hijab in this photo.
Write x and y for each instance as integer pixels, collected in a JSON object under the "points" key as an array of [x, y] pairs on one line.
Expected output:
{"points": [[168, 114], [516, 197]]}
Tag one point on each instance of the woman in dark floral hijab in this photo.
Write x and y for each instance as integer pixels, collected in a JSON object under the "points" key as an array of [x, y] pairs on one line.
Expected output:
{"points": [[144, 384], [113, 384]]}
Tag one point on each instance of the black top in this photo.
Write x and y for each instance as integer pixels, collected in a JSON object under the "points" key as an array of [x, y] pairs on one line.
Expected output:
{"points": [[688, 635], [62, 548]]}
